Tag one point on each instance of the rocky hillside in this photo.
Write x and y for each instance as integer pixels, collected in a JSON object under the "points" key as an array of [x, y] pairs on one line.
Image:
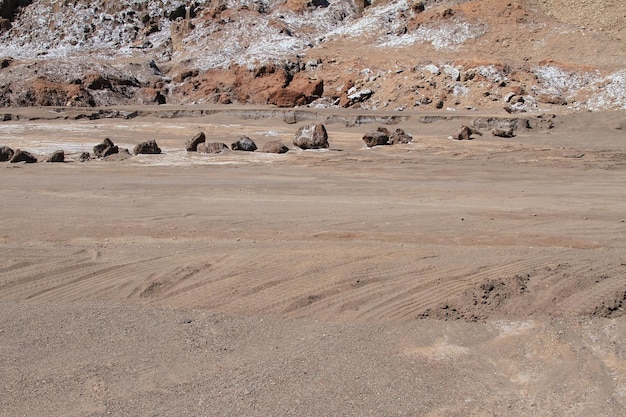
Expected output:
{"points": [[521, 56]]}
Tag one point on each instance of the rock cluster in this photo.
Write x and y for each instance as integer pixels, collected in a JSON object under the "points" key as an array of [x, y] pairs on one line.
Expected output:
{"points": [[382, 136]]}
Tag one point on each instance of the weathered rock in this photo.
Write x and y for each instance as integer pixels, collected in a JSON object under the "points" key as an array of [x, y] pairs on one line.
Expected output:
{"points": [[6, 153], [244, 144], [508, 133], [212, 147], [275, 146], [399, 136], [23, 156], [311, 137], [105, 148], [84, 157], [148, 147], [118, 156], [465, 133], [192, 144], [57, 156], [375, 138]]}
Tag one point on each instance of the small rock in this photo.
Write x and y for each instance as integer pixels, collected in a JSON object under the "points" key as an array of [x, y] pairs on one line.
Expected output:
{"points": [[192, 144], [149, 147], [57, 156], [213, 147], [275, 146], [508, 133], [400, 136], [376, 138], [106, 148], [23, 156], [84, 157], [6, 153], [465, 133], [244, 144]]}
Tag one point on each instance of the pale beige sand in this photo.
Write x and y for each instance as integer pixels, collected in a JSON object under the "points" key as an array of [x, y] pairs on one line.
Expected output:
{"points": [[319, 282]]}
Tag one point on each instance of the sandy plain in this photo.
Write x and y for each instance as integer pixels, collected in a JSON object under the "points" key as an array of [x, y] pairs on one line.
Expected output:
{"points": [[438, 278]]}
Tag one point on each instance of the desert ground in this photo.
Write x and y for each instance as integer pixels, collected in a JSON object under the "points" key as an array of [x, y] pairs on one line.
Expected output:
{"points": [[437, 278]]}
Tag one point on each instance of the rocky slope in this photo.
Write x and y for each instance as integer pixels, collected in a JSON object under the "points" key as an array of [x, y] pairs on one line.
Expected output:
{"points": [[521, 56]]}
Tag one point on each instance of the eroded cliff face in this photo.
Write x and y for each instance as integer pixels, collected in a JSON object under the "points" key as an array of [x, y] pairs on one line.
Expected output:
{"points": [[521, 56]]}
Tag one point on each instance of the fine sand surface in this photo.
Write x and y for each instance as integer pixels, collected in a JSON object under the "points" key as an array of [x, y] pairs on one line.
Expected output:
{"points": [[438, 278]]}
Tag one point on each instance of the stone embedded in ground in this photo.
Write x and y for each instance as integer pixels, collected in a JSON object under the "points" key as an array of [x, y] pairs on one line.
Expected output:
{"points": [[275, 146], [105, 148], [23, 156], [212, 147], [376, 138], [122, 155], [6, 153], [244, 144], [192, 144], [508, 133], [312, 136], [465, 133], [399, 136], [84, 157], [148, 147], [57, 156]]}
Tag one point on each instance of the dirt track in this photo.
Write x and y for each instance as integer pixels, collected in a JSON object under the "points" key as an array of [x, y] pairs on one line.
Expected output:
{"points": [[316, 283]]}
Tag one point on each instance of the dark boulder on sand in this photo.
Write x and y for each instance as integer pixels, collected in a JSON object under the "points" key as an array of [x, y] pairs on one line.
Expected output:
{"points": [[57, 156], [399, 136], [6, 153], [244, 144], [376, 138], [23, 156], [148, 147], [105, 148]]}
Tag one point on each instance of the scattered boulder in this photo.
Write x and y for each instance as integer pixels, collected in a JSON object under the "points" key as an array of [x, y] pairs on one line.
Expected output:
{"points": [[244, 144], [23, 156], [149, 147], [105, 148], [84, 157], [212, 147], [465, 133], [399, 136], [312, 136], [192, 144], [376, 138], [6, 153], [57, 156], [503, 133], [275, 146]]}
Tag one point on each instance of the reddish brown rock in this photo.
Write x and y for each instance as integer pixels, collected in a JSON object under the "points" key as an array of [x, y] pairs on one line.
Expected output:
{"points": [[503, 133], [399, 136], [213, 147], [376, 138], [465, 133], [311, 137], [275, 146]]}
